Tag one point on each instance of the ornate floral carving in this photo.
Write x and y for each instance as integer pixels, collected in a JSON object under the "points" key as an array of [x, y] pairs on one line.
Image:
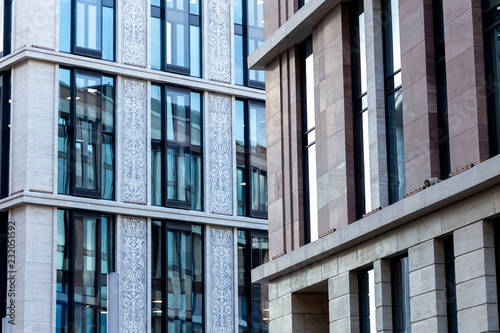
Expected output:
{"points": [[134, 141], [133, 276], [219, 39], [221, 184], [134, 32], [222, 281]]}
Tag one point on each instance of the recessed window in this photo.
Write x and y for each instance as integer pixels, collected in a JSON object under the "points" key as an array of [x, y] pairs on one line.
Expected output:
{"points": [[6, 29], [176, 36], [176, 147], [87, 27], [5, 99], [86, 134], [251, 158], [400, 281], [451, 287], [366, 281]]}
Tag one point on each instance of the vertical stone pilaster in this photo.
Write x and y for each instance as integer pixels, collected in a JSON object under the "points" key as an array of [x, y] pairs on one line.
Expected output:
{"points": [[219, 40], [477, 302], [428, 287], [219, 146], [219, 273], [133, 273], [344, 303], [134, 32], [133, 141], [383, 301]]}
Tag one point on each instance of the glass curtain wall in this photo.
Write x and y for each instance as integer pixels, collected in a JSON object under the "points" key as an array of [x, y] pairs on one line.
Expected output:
{"points": [[176, 155], [394, 101]]}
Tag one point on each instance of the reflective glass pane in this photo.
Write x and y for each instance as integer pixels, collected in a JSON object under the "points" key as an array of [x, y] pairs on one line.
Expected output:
{"points": [[65, 26], [107, 170], [156, 176], [195, 50], [156, 311], [108, 108], [88, 24], [156, 124], [195, 119], [177, 30], [258, 151], [177, 116], [108, 33], [239, 61], [194, 7], [196, 181], [241, 177], [156, 249], [238, 11], [156, 43], [392, 38], [396, 146]]}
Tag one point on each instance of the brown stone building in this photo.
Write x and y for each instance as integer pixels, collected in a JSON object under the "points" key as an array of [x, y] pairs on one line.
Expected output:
{"points": [[366, 100]]}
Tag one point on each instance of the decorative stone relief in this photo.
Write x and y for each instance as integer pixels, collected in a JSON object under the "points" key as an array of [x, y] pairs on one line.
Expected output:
{"points": [[133, 276], [134, 141], [134, 32], [219, 39], [220, 142], [221, 286]]}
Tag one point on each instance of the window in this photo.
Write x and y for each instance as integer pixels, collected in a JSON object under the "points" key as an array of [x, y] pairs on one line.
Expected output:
{"points": [[253, 301], [442, 95], [400, 280], [87, 27], [248, 36], [176, 36], [176, 150], [309, 142], [394, 102], [6, 34], [85, 255], [491, 25], [177, 279], [5, 86], [360, 108], [366, 281], [451, 288], [86, 134], [251, 160], [496, 230]]}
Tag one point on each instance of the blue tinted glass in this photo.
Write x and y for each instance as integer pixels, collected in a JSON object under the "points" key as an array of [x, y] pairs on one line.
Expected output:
{"points": [[107, 106], [65, 26], [156, 43], [88, 24], [194, 7], [156, 169], [240, 124], [155, 112], [238, 11], [177, 38], [195, 60], [396, 146], [195, 119], [196, 183], [156, 3], [238, 60], [108, 33], [107, 173]]}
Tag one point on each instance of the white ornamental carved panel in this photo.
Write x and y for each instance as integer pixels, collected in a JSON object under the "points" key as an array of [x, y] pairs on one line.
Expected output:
{"points": [[134, 141], [219, 39], [221, 281], [220, 150], [133, 276], [134, 32]]}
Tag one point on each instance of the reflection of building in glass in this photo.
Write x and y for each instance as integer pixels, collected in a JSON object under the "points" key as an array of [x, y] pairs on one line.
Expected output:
{"points": [[368, 100]]}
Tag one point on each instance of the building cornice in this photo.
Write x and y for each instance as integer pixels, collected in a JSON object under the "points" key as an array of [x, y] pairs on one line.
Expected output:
{"points": [[71, 60], [294, 31]]}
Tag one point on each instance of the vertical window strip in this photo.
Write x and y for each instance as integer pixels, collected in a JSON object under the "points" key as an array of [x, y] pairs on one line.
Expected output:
{"points": [[5, 100], [366, 285], [400, 281], [451, 288]]}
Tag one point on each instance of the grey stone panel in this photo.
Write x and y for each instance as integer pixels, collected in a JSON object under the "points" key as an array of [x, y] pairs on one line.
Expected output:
{"points": [[220, 151], [134, 32], [133, 275], [219, 39], [134, 145]]}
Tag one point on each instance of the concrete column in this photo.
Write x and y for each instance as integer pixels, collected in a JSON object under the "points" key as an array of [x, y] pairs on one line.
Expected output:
{"points": [[383, 300], [344, 303], [466, 85], [428, 287], [376, 103], [476, 278], [420, 119]]}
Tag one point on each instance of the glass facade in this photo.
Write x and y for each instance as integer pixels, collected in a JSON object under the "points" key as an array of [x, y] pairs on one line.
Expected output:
{"points": [[253, 301], [85, 255], [87, 27], [400, 281], [176, 147], [176, 36], [251, 161], [366, 281], [394, 101], [177, 278], [6, 29], [86, 134], [360, 109], [309, 142], [248, 36]]}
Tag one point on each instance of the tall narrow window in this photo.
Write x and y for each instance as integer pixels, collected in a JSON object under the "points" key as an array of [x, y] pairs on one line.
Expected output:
{"points": [[491, 26], [177, 278], [5, 87], [85, 255], [366, 281], [6, 28], [176, 36], [87, 27], [442, 95], [253, 302], [309, 142], [394, 101], [86, 134], [400, 280], [176, 155], [451, 288], [248, 36], [360, 107], [496, 230], [251, 158]]}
